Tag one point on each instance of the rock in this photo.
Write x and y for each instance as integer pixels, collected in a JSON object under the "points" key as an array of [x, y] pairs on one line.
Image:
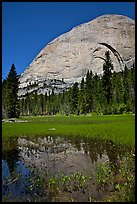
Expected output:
{"points": [[67, 58]]}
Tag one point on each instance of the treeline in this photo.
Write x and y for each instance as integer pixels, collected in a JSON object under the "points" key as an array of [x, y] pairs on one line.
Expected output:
{"points": [[111, 93]]}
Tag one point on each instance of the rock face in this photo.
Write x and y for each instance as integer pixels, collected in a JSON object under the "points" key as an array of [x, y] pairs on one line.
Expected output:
{"points": [[66, 59]]}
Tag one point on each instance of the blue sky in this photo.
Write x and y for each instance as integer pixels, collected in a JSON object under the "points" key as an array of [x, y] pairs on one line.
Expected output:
{"points": [[27, 27]]}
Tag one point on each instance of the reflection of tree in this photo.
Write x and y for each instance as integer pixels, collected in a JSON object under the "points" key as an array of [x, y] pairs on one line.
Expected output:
{"points": [[94, 147], [93, 151], [10, 153], [85, 146], [115, 153], [97, 147], [78, 144]]}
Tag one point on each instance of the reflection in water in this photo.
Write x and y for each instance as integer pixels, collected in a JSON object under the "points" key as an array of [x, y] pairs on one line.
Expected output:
{"points": [[24, 159], [10, 153], [9, 179]]}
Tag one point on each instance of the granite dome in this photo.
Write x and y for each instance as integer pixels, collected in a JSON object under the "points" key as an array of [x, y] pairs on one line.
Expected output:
{"points": [[70, 55]]}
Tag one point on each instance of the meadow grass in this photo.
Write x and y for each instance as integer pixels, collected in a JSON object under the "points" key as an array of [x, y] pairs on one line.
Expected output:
{"points": [[118, 128]]}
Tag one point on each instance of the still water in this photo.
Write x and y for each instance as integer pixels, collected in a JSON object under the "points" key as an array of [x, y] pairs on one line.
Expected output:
{"points": [[28, 161]]}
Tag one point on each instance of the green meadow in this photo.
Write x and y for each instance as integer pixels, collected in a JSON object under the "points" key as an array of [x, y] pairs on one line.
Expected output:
{"points": [[118, 128]]}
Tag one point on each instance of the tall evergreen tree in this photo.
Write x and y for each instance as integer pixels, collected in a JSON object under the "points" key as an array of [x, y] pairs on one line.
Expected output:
{"points": [[41, 104], [28, 101], [74, 98], [89, 92], [133, 76], [81, 98], [97, 94], [107, 75], [11, 98], [127, 83]]}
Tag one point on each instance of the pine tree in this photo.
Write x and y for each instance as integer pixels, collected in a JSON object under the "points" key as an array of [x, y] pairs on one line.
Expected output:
{"points": [[81, 98], [41, 104], [74, 98], [127, 82], [97, 90], [28, 103], [133, 88], [89, 92], [35, 104], [107, 75], [118, 91], [23, 106], [45, 103], [11, 98], [133, 76]]}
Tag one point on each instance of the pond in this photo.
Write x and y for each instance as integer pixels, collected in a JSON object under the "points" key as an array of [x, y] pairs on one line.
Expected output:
{"points": [[45, 169]]}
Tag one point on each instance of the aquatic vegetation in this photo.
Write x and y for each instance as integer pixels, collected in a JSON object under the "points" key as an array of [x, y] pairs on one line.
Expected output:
{"points": [[123, 180], [123, 184], [102, 174], [67, 183], [79, 180], [53, 186]]}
